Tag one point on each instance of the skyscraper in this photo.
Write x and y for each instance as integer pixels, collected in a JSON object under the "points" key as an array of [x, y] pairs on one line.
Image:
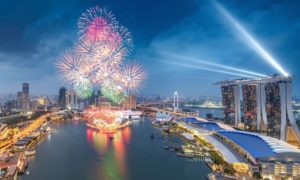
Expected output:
{"points": [[273, 106], [271, 99], [228, 103], [62, 98], [250, 107], [19, 100], [72, 100], [25, 94]]}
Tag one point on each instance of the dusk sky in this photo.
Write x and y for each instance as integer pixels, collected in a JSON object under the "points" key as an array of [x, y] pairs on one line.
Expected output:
{"points": [[34, 33]]}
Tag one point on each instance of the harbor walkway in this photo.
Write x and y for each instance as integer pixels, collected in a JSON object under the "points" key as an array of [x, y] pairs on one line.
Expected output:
{"points": [[228, 153]]}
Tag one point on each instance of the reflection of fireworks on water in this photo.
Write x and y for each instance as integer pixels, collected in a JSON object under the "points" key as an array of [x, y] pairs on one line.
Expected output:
{"points": [[102, 143], [96, 60], [104, 119]]}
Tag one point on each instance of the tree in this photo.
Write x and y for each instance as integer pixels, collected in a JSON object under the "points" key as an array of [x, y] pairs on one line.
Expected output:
{"points": [[257, 175]]}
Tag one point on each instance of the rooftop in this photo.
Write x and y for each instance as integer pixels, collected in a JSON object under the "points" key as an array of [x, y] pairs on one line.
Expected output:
{"points": [[211, 126], [261, 146]]}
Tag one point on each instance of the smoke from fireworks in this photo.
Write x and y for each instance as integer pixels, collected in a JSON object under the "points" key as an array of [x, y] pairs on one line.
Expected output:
{"points": [[97, 59]]}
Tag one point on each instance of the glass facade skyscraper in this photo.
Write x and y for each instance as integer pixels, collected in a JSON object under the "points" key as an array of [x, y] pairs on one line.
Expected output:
{"points": [[228, 103]]}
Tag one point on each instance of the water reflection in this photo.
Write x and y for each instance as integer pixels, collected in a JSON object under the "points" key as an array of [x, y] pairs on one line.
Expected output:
{"points": [[112, 152]]}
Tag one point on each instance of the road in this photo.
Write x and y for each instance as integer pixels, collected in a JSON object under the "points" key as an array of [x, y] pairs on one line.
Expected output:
{"points": [[144, 107], [24, 132]]}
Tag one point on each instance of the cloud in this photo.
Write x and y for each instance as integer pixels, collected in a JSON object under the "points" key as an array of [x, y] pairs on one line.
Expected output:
{"points": [[34, 33], [207, 36]]}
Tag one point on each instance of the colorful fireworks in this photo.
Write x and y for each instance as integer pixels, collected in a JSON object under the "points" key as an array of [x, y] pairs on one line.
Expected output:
{"points": [[97, 59]]}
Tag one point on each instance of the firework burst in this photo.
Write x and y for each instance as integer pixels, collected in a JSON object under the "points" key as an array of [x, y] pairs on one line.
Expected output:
{"points": [[96, 24], [83, 87], [133, 75], [69, 66], [97, 60]]}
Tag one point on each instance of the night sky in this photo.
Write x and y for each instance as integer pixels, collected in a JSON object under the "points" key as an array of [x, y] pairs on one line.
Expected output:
{"points": [[33, 33]]}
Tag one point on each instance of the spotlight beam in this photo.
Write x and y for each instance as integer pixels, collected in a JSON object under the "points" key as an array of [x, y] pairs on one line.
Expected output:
{"points": [[250, 39], [215, 64], [210, 69]]}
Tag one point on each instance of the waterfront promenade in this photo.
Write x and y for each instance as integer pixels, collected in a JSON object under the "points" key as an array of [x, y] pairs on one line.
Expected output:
{"points": [[228, 153]]}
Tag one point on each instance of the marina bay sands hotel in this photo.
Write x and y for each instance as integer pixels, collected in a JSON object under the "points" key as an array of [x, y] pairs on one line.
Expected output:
{"points": [[266, 107]]}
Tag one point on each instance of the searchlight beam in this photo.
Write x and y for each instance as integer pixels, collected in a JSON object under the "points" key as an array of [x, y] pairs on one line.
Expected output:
{"points": [[249, 39], [210, 69], [215, 64]]}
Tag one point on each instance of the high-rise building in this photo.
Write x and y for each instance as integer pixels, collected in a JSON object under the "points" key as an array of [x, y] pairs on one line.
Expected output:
{"points": [[19, 100], [72, 100], [129, 103], [25, 95], [250, 107], [62, 98], [273, 108], [267, 106], [229, 100]]}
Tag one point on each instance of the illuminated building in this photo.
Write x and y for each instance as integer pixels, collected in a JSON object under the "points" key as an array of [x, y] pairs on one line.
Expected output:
{"points": [[41, 101], [231, 100], [250, 107], [275, 158], [72, 100], [25, 95], [3, 131], [38, 104], [273, 96], [273, 109]]}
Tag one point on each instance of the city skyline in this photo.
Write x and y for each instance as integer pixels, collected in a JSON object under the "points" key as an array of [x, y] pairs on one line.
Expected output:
{"points": [[196, 28], [104, 89]]}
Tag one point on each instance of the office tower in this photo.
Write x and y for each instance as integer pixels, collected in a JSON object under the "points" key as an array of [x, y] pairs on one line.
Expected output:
{"points": [[25, 94], [19, 100], [62, 98]]}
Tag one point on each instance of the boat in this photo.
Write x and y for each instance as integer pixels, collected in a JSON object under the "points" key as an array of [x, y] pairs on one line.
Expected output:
{"points": [[27, 172], [111, 130], [30, 152], [166, 147], [107, 120], [152, 137], [185, 155]]}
